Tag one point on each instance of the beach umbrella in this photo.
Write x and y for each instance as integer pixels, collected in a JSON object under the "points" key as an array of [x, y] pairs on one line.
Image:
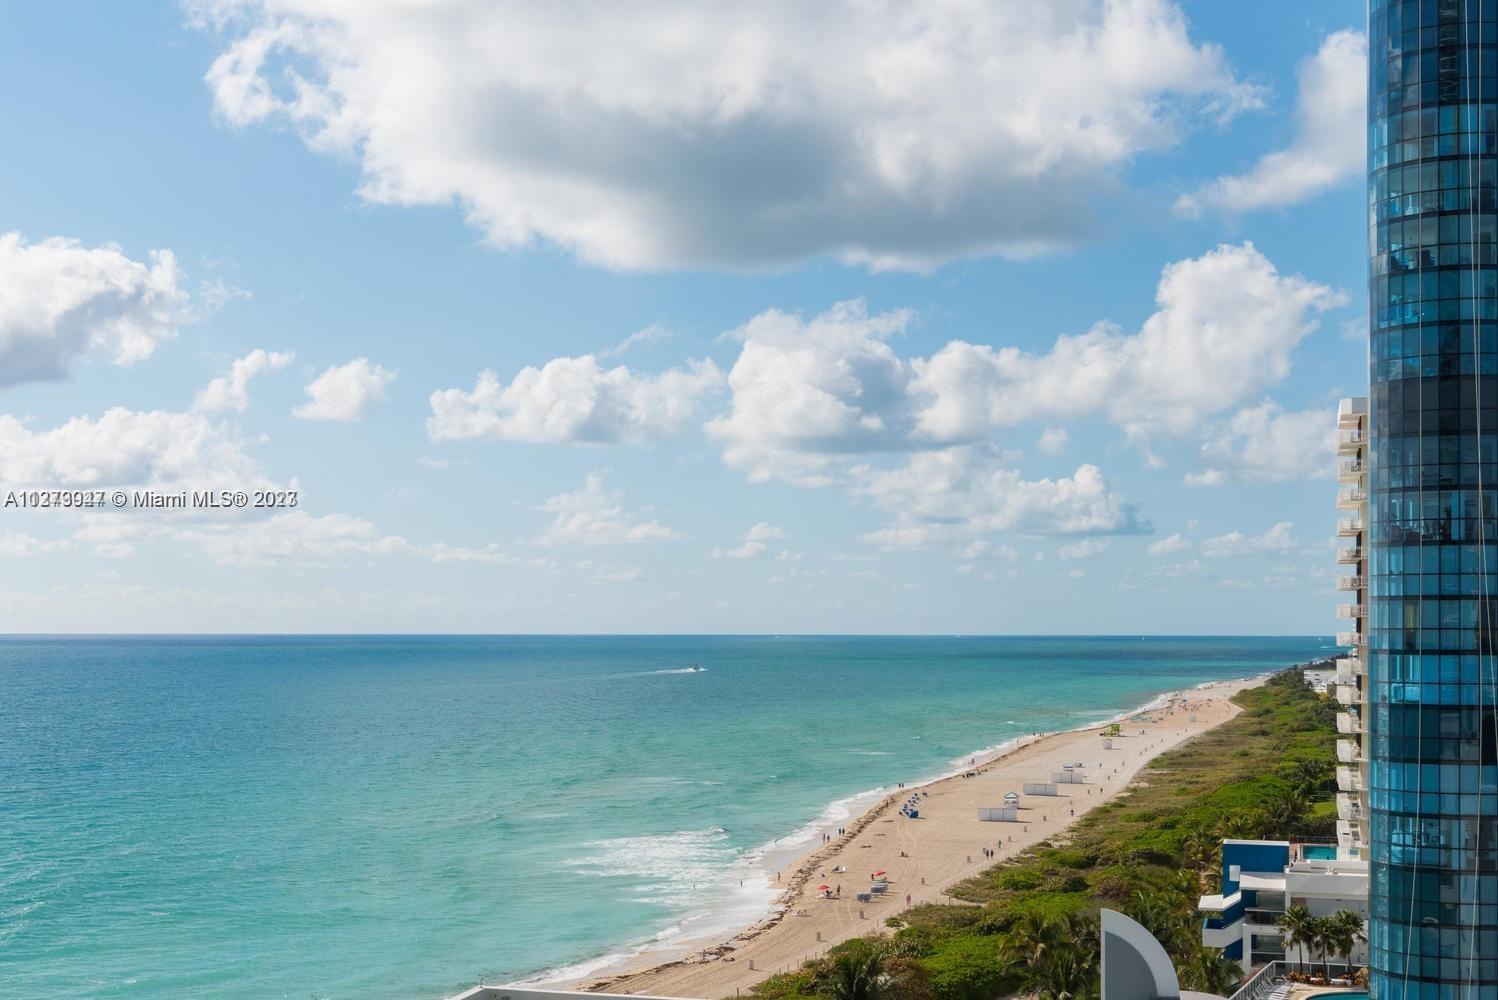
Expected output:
{"points": [[823, 888], [879, 873]]}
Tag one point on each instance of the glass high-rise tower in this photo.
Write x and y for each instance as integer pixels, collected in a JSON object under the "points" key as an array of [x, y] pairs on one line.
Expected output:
{"points": [[1431, 728]]}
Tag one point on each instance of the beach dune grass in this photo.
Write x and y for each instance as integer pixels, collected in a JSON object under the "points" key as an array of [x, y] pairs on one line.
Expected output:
{"points": [[1266, 773]]}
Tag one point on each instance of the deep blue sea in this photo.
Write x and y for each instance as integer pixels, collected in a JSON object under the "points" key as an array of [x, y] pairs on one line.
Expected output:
{"points": [[399, 817]]}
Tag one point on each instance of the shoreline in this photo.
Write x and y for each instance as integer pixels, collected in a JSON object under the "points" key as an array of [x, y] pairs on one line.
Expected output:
{"points": [[650, 967]]}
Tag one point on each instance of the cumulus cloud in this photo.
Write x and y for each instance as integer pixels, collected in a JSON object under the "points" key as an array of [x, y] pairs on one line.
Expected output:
{"points": [[1169, 545], [754, 545], [1264, 443], [1330, 137], [1087, 548], [1276, 540], [574, 401], [1223, 329], [231, 391], [957, 494], [18, 544], [345, 392], [301, 537], [596, 516], [658, 135], [124, 447], [1053, 441], [61, 300], [807, 393]]}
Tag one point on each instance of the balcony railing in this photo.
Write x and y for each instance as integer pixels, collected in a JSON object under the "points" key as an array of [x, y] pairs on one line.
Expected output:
{"points": [[1347, 694], [1349, 669], [1349, 751], [1351, 470], [1351, 582], [1350, 555], [1350, 779], [1354, 639], [1352, 611], [1353, 496], [1350, 526], [1350, 441], [1349, 724]]}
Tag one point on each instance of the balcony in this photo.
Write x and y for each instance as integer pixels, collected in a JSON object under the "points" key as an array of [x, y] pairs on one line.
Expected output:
{"points": [[1349, 669], [1349, 751], [1350, 555], [1355, 640], [1352, 497], [1350, 779], [1349, 724], [1351, 470], [1350, 526], [1350, 441], [1352, 611], [1351, 582], [1349, 807], [1348, 695]]}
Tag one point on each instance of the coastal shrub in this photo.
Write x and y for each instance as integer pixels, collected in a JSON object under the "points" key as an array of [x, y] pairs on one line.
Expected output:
{"points": [[966, 968], [1273, 764], [1019, 879]]}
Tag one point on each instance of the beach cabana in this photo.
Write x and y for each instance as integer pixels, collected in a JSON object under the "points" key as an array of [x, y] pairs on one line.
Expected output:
{"points": [[1011, 796], [998, 814], [1040, 788]]}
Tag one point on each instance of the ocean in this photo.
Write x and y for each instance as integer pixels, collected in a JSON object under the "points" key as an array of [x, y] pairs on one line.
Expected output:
{"points": [[401, 817]]}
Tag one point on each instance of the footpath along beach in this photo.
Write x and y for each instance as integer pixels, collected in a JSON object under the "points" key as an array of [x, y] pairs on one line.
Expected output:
{"points": [[923, 857]]}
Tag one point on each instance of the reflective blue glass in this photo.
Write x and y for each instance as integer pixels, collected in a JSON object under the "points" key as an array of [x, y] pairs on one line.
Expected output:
{"points": [[1433, 535]]}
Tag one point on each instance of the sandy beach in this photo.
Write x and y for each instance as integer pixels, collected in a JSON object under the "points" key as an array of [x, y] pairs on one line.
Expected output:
{"points": [[922, 857]]}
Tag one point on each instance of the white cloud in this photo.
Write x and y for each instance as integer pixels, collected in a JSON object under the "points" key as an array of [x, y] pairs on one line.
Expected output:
{"points": [[804, 391], [647, 335], [749, 550], [1330, 144], [983, 549], [754, 546], [18, 544], [657, 135], [61, 300], [1169, 545], [1276, 540], [763, 531], [809, 393], [293, 536], [959, 493], [127, 448], [595, 516], [1087, 548], [1053, 441], [231, 391], [1264, 443], [1223, 329], [608, 573], [574, 401], [345, 392]]}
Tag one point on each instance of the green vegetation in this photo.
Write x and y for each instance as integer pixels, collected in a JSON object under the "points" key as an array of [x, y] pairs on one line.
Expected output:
{"points": [[1030, 924]]}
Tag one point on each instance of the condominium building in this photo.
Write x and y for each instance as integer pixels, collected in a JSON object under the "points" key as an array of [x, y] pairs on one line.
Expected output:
{"points": [[1350, 680], [1430, 730]]}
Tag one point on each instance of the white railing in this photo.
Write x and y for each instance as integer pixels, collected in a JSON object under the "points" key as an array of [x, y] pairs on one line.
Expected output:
{"points": [[1261, 983], [1352, 555], [1351, 582], [1353, 496], [1352, 639], [1350, 526], [1352, 611]]}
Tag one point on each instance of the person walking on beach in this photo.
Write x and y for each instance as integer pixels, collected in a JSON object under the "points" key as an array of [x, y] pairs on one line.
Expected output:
{"points": [[907, 900]]}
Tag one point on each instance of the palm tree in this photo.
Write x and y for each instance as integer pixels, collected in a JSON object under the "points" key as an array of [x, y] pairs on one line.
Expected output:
{"points": [[858, 977], [1297, 927], [1320, 931], [1161, 914], [1344, 931], [1285, 811], [1055, 959], [1210, 971]]}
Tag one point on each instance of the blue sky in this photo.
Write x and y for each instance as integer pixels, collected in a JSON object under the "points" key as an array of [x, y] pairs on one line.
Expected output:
{"points": [[848, 246]]}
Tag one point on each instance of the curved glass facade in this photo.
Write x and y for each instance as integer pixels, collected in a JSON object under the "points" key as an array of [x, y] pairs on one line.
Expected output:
{"points": [[1432, 728]]}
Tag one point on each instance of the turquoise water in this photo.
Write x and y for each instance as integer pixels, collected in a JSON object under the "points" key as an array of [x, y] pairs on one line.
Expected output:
{"points": [[1319, 852], [398, 817]]}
